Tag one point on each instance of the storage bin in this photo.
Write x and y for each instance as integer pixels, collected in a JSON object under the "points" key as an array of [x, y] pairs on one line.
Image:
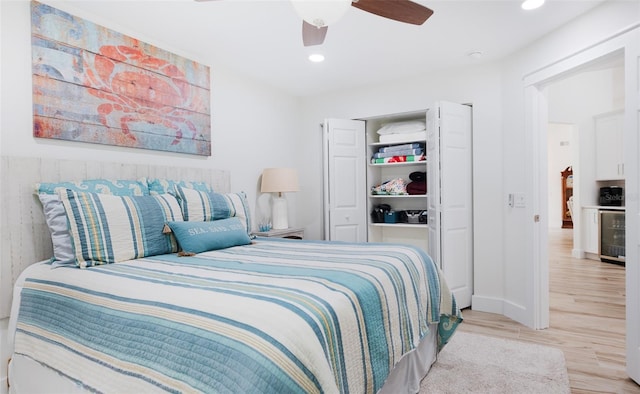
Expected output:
{"points": [[413, 217], [391, 217]]}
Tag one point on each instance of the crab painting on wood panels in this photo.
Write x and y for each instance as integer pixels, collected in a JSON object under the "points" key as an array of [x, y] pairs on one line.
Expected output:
{"points": [[92, 84]]}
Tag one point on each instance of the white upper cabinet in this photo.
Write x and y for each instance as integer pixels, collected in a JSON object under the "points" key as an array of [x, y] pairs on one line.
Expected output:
{"points": [[609, 160]]}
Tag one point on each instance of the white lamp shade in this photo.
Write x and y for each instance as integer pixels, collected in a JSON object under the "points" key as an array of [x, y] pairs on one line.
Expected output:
{"points": [[321, 13], [279, 180]]}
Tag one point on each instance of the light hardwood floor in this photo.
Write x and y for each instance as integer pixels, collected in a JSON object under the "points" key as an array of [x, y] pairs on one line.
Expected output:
{"points": [[587, 320]]}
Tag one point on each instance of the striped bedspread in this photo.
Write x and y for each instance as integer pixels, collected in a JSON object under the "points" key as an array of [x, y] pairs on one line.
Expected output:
{"points": [[276, 316]]}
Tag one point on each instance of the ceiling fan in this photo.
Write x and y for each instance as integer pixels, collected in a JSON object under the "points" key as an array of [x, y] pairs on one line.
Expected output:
{"points": [[318, 14]]}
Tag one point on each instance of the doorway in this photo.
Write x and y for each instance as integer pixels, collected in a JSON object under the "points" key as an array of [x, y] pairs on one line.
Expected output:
{"points": [[535, 87], [574, 102]]}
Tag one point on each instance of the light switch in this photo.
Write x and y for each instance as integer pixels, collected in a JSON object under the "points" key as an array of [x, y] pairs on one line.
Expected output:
{"points": [[518, 200]]}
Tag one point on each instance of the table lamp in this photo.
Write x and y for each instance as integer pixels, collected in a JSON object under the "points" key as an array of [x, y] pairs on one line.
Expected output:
{"points": [[279, 180]]}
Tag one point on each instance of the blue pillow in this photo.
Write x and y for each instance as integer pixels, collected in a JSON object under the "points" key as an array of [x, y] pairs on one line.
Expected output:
{"points": [[162, 186], [116, 187], [199, 206], [107, 229], [56, 218], [197, 237]]}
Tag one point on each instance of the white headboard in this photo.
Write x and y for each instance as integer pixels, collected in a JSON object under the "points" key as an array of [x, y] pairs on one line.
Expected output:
{"points": [[24, 235]]}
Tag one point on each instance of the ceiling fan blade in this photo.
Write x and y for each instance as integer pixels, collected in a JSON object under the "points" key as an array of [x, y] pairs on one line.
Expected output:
{"points": [[399, 10], [312, 35]]}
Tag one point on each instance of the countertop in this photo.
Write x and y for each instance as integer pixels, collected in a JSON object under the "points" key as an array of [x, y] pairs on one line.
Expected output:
{"points": [[603, 207]]}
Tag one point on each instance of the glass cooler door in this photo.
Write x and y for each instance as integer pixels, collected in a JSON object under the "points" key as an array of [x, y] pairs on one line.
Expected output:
{"points": [[612, 236]]}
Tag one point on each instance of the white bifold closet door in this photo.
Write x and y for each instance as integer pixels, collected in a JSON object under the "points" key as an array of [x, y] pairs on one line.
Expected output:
{"points": [[450, 196], [345, 200]]}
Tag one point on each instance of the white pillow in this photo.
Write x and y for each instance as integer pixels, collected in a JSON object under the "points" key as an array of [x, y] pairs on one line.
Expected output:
{"points": [[407, 126]]}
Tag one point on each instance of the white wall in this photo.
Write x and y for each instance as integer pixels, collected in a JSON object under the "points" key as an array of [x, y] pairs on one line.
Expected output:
{"points": [[560, 156]]}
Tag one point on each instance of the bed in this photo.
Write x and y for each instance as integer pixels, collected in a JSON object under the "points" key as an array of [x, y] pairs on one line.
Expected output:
{"points": [[221, 310]]}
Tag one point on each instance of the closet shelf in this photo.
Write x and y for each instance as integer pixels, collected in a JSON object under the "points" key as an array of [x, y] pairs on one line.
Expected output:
{"points": [[411, 225], [421, 141], [402, 163], [398, 195]]}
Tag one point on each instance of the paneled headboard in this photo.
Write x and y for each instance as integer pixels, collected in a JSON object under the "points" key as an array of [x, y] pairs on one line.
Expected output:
{"points": [[24, 235]]}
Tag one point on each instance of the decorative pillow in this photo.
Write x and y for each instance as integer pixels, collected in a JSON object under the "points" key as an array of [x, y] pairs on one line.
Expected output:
{"points": [[107, 229], [162, 186], [198, 237], [102, 186], [56, 218], [201, 206]]}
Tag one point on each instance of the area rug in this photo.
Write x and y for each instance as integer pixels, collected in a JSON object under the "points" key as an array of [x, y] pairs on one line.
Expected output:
{"points": [[472, 363]]}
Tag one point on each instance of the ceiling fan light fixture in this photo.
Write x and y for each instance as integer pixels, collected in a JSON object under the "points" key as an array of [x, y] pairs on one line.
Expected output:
{"points": [[532, 4], [316, 57], [321, 13]]}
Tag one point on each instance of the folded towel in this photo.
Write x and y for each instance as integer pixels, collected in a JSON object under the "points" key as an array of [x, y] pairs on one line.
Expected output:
{"points": [[395, 148], [417, 188], [404, 152], [392, 187], [398, 159]]}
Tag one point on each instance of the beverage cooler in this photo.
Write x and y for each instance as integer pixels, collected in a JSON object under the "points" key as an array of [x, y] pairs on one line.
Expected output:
{"points": [[612, 236]]}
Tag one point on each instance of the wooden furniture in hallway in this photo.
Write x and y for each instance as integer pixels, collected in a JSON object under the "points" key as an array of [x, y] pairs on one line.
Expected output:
{"points": [[567, 192]]}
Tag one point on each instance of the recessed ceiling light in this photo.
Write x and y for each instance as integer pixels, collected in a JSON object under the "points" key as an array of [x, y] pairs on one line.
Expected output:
{"points": [[475, 55], [532, 4], [316, 57]]}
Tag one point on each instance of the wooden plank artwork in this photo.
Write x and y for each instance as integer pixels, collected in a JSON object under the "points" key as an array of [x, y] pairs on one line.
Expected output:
{"points": [[95, 85]]}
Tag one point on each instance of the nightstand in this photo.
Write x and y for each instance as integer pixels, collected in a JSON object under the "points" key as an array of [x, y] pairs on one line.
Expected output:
{"points": [[293, 233]]}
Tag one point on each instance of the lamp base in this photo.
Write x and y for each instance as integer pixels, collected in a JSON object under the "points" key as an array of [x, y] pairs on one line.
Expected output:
{"points": [[279, 213]]}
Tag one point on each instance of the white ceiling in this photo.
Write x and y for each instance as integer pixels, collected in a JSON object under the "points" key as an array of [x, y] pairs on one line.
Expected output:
{"points": [[262, 38]]}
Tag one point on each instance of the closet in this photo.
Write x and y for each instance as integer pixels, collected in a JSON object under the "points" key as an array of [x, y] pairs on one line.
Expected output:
{"points": [[363, 184]]}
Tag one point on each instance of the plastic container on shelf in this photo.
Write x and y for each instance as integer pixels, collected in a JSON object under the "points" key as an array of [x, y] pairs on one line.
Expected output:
{"points": [[391, 217]]}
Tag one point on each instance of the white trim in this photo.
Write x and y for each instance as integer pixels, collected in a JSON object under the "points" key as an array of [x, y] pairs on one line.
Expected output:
{"points": [[324, 127], [536, 132], [631, 150], [621, 41], [547, 72]]}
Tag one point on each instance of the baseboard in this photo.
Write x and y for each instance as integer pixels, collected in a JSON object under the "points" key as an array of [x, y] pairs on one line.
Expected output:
{"points": [[4, 356], [577, 253], [592, 256], [487, 304], [501, 307], [518, 313]]}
